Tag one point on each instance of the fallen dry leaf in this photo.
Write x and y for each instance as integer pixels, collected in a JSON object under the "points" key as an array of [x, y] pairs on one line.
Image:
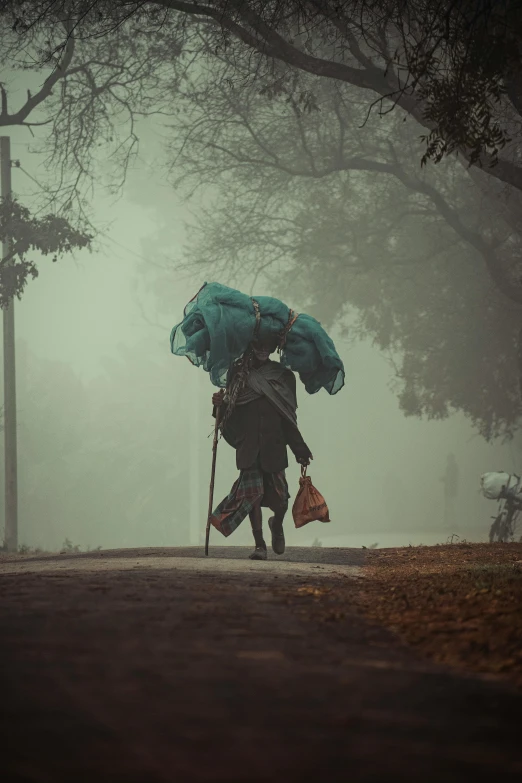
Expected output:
{"points": [[460, 605]]}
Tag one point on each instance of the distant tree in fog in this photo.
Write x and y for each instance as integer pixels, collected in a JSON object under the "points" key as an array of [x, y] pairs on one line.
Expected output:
{"points": [[450, 483], [30, 236], [339, 219], [309, 135], [140, 450], [452, 66], [102, 461], [84, 102]]}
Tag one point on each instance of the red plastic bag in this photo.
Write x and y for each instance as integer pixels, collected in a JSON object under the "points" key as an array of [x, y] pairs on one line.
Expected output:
{"points": [[309, 504]]}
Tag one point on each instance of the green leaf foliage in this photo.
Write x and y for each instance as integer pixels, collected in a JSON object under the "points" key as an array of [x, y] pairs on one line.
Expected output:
{"points": [[26, 237]]}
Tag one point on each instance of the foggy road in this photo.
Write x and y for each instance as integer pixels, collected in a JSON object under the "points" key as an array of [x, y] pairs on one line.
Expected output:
{"points": [[161, 665]]}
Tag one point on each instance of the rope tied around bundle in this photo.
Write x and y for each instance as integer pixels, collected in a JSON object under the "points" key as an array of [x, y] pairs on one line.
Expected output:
{"points": [[283, 334], [239, 378]]}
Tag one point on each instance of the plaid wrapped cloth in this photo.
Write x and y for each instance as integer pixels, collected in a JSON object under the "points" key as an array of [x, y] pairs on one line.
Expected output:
{"points": [[253, 484]]}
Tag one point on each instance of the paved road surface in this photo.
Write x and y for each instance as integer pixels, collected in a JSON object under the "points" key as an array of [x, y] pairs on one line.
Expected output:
{"points": [[148, 666]]}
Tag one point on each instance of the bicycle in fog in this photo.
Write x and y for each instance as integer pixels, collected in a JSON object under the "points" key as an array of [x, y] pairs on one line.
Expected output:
{"points": [[507, 489]]}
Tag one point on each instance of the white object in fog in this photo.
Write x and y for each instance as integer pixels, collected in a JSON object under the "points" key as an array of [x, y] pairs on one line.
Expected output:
{"points": [[495, 485]]}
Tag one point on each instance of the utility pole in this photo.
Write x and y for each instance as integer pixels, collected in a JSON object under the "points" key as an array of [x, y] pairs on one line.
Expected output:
{"points": [[10, 446], [195, 526]]}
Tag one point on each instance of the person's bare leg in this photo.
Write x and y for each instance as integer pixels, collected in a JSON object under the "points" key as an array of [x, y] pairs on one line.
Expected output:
{"points": [[256, 520], [275, 524]]}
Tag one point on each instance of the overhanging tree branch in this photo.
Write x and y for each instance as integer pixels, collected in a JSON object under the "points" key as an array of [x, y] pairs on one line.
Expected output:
{"points": [[60, 72], [269, 43]]}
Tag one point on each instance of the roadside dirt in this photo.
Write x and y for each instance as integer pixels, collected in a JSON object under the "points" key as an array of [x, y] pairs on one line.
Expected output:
{"points": [[459, 604]]}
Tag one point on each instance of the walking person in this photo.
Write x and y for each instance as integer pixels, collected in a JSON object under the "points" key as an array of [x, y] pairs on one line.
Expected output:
{"points": [[258, 415], [450, 481]]}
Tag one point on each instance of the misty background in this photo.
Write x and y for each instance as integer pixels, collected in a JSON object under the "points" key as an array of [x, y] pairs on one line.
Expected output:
{"points": [[114, 433]]}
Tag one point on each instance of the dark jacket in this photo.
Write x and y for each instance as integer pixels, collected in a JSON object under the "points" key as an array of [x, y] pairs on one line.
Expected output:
{"points": [[258, 430]]}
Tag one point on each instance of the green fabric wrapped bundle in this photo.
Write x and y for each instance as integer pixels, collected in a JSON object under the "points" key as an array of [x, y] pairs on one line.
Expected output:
{"points": [[219, 324]]}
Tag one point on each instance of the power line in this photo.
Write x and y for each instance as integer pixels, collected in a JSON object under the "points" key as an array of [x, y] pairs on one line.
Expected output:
{"points": [[124, 247], [18, 166]]}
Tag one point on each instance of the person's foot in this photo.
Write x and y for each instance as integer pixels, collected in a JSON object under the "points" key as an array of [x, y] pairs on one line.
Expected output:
{"points": [[259, 553], [278, 536]]}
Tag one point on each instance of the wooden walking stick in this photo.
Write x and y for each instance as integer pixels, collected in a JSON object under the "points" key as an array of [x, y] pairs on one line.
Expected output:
{"points": [[212, 477], [231, 394]]}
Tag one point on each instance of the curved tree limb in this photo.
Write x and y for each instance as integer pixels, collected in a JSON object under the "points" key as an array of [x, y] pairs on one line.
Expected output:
{"points": [[60, 72], [258, 35]]}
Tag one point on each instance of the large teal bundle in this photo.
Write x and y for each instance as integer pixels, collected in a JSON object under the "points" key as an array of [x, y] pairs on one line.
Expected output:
{"points": [[219, 324]]}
